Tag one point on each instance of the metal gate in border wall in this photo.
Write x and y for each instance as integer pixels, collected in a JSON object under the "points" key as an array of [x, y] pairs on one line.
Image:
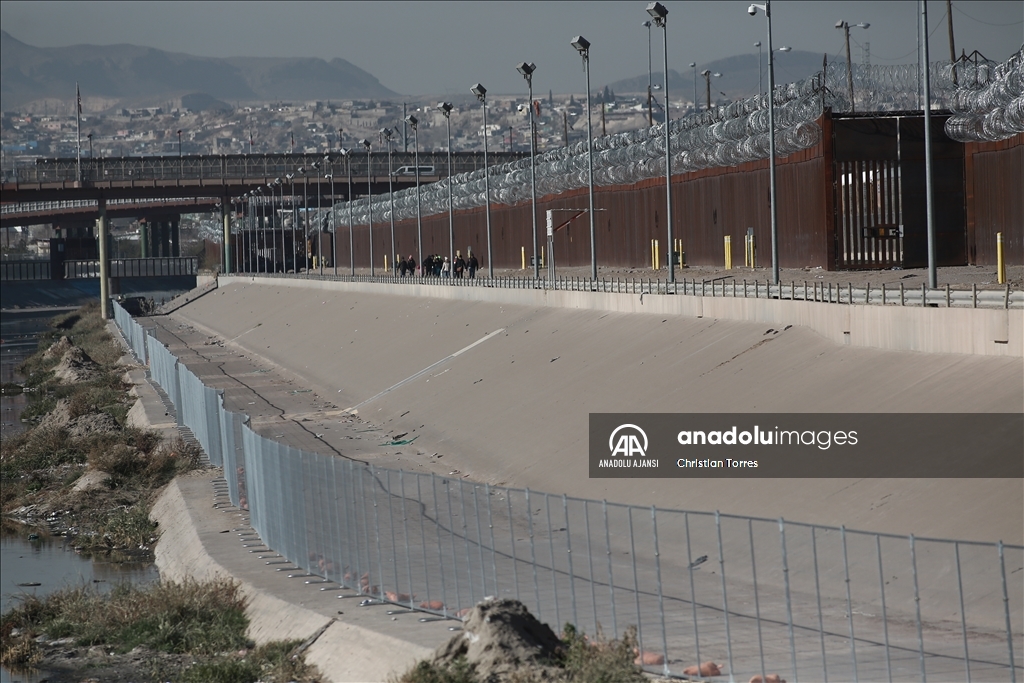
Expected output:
{"points": [[880, 218]]}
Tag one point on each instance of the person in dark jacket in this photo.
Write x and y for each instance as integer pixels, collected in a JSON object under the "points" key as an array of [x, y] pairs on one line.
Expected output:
{"points": [[403, 267], [459, 266], [473, 266]]}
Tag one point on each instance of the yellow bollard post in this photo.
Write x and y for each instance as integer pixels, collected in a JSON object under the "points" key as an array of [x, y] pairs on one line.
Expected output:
{"points": [[542, 257], [523, 254], [385, 263], [728, 252], [1000, 261], [653, 262], [657, 262]]}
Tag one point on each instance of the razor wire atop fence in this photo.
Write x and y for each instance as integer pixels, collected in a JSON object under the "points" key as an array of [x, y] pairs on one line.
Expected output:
{"points": [[988, 102], [989, 95], [724, 136], [758, 595]]}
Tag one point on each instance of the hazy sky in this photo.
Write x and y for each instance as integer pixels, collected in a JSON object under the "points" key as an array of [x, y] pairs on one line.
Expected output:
{"points": [[445, 47]]}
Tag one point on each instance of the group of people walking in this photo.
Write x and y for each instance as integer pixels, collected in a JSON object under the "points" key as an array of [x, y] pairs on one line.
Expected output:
{"points": [[435, 265]]}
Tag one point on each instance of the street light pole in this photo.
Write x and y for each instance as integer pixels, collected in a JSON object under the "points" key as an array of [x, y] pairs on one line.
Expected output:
{"points": [[319, 221], [446, 110], [351, 238], [752, 11], [650, 77], [582, 46], [933, 281], [305, 218], [527, 69], [481, 94], [386, 135], [660, 15], [180, 162], [760, 60], [369, 197], [284, 248], [414, 122], [696, 107], [295, 223], [334, 221]]}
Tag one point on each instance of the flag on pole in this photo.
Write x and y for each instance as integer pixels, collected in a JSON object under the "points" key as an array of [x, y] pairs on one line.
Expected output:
{"points": [[78, 94]]}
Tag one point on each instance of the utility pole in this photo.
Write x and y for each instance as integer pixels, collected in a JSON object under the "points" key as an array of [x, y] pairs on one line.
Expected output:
{"points": [[949, 23], [565, 127]]}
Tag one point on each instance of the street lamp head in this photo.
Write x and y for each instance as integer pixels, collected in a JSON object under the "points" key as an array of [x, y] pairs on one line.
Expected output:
{"points": [[757, 44], [785, 48], [412, 120], [840, 24], [365, 143], [480, 91], [658, 11], [345, 151], [716, 75], [445, 108], [864, 24], [277, 181], [646, 24], [290, 176], [179, 132], [526, 68], [385, 133], [581, 44], [693, 65], [705, 73], [328, 176], [302, 170]]}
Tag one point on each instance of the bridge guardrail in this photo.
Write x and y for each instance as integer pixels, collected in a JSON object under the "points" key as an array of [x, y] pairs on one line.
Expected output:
{"points": [[158, 266], [11, 271], [237, 166]]}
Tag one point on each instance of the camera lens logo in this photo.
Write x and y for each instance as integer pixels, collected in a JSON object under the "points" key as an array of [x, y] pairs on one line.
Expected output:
{"points": [[628, 441]]}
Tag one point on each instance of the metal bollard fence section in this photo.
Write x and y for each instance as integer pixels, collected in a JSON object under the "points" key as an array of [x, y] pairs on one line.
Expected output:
{"points": [[759, 596]]}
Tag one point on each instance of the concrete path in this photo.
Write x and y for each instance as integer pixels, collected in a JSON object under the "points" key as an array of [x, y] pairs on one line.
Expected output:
{"points": [[513, 409]]}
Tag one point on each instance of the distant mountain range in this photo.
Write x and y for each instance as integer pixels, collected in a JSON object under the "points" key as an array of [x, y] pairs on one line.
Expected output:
{"points": [[112, 76], [130, 75], [739, 76]]}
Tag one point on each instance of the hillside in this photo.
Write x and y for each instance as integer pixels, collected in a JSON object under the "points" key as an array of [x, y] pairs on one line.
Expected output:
{"points": [[135, 75], [739, 75]]}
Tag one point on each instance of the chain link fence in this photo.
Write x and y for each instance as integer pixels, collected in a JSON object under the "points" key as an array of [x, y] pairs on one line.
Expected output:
{"points": [[758, 596]]}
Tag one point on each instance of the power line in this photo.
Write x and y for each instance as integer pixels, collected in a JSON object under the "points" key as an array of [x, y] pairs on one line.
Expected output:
{"points": [[938, 24], [987, 23]]}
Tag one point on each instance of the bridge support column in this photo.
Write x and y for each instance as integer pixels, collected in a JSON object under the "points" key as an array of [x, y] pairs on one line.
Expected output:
{"points": [[225, 217], [144, 239], [174, 224], [101, 228], [164, 249]]}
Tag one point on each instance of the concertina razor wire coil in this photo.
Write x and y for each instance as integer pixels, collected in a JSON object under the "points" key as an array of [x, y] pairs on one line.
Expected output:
{"points": [[987, 103]]}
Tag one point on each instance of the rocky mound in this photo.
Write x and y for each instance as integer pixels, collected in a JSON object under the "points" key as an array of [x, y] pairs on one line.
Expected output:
{"points": [[58, 349], [500, 637], [74, 366], [83, 425]]}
